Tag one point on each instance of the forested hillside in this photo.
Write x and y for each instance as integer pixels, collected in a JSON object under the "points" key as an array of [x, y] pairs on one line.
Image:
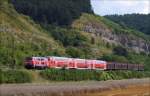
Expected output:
{"points": [[57, 12], [25, 33], [140, 22]]}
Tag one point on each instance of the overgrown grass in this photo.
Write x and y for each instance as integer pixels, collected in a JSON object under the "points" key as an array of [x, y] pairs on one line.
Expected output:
{"points": [[24, 76], [15, 76], [21, 37], [82, 75]]}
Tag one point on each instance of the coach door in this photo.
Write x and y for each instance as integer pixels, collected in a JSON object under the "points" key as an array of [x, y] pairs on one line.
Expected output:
{"points": [[100, 65], [89, 64], [51, 62]]}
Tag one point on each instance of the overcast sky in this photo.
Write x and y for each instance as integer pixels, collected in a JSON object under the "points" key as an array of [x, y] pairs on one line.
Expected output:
{"points": [[105, 7]]}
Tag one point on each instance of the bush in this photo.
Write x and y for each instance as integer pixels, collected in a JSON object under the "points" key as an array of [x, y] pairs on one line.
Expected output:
{"points": [[120, 51], [79, 75], [67, 75], [15, 76], [74, 52], [112, 57], [68, 37]]}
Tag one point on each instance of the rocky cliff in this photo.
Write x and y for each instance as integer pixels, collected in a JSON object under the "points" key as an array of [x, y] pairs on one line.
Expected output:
{"points": [[113, 33]]}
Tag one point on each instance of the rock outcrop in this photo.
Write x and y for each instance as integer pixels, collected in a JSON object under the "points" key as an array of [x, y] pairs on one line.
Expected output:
{"points": [[107, 34]]}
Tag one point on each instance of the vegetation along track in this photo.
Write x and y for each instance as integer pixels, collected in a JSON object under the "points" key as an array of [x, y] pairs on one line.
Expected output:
{"points": [[83, 88]]}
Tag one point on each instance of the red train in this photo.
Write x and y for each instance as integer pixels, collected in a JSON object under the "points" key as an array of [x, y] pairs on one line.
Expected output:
{"points": [[75, 63]]}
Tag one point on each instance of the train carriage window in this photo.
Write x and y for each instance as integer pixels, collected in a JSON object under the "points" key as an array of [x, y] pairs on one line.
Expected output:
{"points": [[42, 59], [29, 58], [100, 62], [39, 59]]}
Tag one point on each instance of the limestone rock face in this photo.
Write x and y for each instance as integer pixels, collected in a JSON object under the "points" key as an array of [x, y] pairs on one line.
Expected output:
{"points": [[133, 42], [98, 28]]}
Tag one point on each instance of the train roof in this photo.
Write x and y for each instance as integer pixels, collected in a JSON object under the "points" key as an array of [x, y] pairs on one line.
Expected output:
{"points": [[57, 57]]}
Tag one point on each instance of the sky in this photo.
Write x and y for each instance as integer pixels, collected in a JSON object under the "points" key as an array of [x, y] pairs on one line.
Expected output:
{"points": [[109, 7]]}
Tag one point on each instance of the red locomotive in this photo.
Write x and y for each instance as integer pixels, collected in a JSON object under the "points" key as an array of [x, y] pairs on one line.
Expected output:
{"points": [[75, 63]]}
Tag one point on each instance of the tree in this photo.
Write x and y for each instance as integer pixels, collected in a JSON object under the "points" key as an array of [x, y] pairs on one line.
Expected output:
{"points": [[58, 12], [138, 22], [74, 52], [120, 51]]}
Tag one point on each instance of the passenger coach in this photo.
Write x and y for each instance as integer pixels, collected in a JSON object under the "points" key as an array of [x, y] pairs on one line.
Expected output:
{"points": [[64, 62], [76, 63]]}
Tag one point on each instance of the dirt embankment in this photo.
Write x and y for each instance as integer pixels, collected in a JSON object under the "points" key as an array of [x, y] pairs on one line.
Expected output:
{"points": [[131, 87]]}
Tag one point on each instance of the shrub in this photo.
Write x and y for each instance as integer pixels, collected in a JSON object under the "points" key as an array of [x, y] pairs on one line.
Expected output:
{"points": [[120, 51], [74, 52], [14, 76], [79, 75], [112, 57]]}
